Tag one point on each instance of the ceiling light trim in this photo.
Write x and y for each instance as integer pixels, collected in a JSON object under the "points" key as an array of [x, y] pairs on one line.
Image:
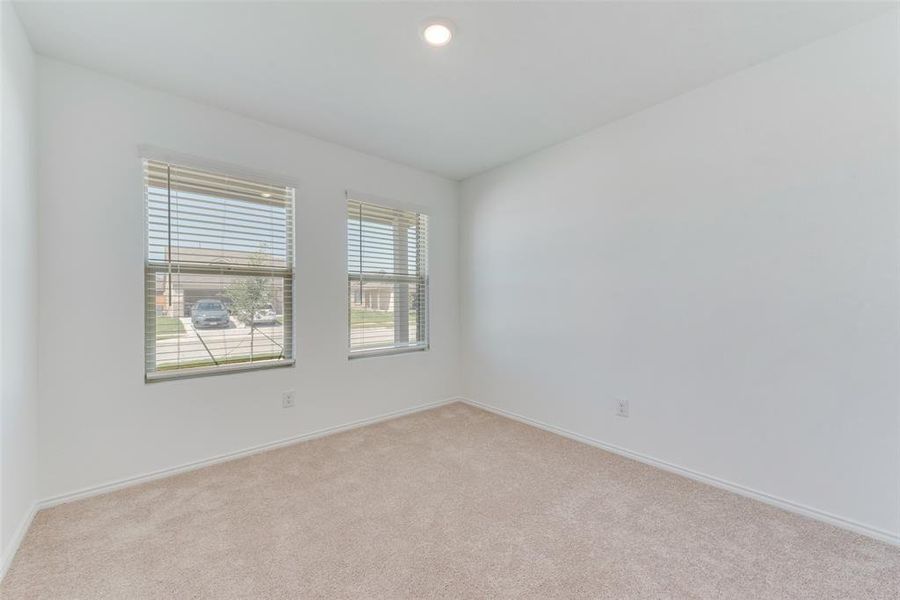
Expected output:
{"points": [[438, 32]]}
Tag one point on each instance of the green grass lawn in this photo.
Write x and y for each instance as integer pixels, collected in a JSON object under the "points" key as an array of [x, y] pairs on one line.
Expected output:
{"points": [[168, 327], [361, 317]]}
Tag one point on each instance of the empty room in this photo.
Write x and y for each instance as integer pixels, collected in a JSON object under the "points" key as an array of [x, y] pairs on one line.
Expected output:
{"points": [[462, 300]]}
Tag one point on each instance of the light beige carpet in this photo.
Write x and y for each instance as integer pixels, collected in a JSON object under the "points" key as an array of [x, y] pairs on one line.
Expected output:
{"points": [[450, 503]]}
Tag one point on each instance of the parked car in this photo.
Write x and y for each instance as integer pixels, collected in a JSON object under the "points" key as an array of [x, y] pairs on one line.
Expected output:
{"points": [[265, 316], [209, 313]]}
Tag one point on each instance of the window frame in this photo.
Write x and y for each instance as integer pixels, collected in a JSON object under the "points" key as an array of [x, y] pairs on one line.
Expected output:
{"points": [[425, 277], [152, 153]]}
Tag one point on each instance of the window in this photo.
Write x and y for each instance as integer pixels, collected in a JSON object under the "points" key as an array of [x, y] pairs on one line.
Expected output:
{"points": [[219, 272], [387, 283]]}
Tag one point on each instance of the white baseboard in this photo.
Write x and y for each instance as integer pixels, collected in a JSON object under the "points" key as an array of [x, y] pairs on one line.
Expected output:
{"points": [[794, 507], [118, 484], [10, 551]]}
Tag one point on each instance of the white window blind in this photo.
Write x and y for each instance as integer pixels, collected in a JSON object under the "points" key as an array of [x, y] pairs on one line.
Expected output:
{"points": [[387, 284], [218, 274]]}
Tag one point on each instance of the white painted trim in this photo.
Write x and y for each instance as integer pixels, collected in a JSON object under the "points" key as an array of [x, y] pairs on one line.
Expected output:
{"points": [[119, 484], [793, 507], [10, 551]]}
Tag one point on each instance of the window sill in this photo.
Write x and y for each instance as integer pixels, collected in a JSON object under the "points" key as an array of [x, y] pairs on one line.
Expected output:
{"points": [[175, 374], [386, 352]]}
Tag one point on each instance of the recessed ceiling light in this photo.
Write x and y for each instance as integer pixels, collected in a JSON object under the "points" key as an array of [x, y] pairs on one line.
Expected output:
{"points": [[437, 32]]}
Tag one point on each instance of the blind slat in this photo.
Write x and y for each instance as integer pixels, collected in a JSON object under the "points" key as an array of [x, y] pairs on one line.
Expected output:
{"points": [[219, 272], [387, 278], [193, 181]]}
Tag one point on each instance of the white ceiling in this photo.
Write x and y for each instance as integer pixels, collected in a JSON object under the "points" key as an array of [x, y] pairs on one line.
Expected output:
{"points": [[518, 76]]}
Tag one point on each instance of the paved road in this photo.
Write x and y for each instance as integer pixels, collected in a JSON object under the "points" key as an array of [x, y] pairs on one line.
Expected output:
{"points": [[221, 344], [235, 342]]}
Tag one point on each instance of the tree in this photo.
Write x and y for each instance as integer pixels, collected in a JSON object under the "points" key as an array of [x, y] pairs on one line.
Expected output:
{"points": [[248, 295]]}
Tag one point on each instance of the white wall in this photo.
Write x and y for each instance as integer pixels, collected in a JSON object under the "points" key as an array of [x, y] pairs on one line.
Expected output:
{"points": [[18, 283], [99, 421], [728, 262]]}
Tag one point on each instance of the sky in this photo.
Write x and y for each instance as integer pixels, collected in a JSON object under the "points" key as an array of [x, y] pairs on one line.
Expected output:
{"points": [[240, 226]]}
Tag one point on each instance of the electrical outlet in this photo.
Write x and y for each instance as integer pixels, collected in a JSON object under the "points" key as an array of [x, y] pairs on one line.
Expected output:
{"points": [[287, 399], [621, 407]]}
